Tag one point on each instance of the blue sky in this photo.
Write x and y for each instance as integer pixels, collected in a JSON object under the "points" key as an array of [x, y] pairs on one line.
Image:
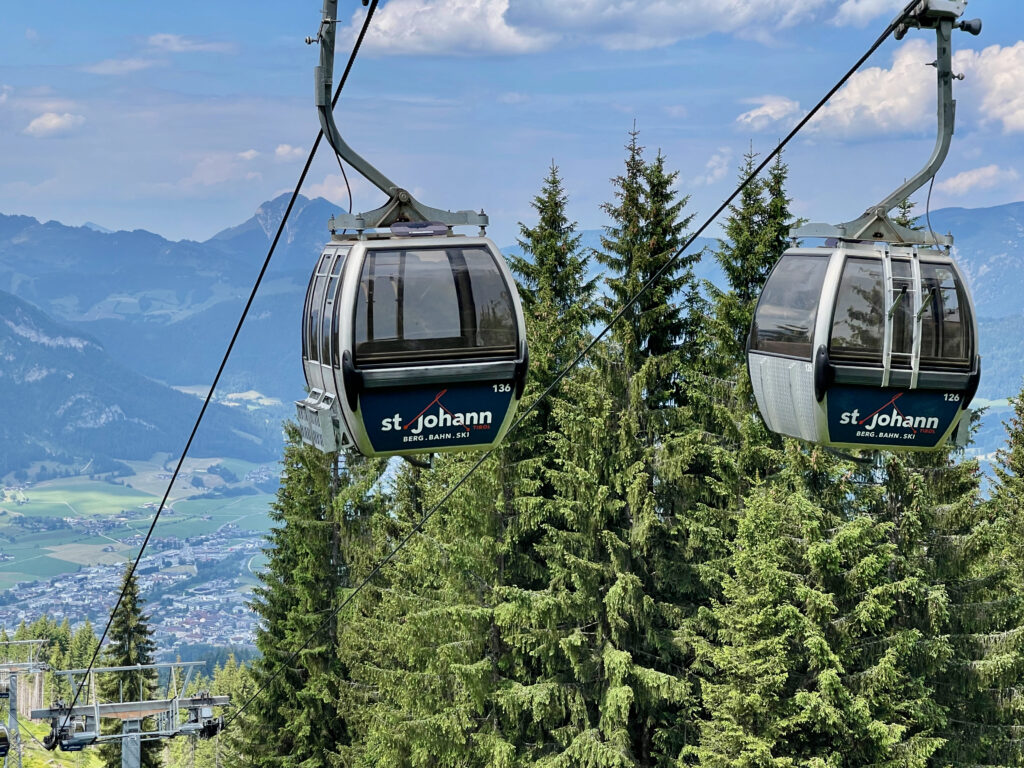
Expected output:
{"points": [[181, 118]]}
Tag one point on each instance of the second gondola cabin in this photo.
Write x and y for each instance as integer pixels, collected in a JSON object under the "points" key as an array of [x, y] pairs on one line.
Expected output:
{"points": [[865, 345], [412, 344]]}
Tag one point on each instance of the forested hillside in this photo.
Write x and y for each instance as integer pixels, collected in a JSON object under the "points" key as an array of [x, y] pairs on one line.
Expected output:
{"points": [[642, 575]]}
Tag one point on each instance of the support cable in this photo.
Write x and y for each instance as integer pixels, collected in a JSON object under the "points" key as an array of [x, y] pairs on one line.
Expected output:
{"points": [[227, 354], [579, 358]]}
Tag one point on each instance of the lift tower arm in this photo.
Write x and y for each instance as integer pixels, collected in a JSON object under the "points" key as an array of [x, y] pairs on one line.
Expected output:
{"points": [[401, 205], [874, 223]]}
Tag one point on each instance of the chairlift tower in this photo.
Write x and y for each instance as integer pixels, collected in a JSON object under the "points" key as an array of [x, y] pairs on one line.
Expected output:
{"points": [[32, 666], [73, 728]]}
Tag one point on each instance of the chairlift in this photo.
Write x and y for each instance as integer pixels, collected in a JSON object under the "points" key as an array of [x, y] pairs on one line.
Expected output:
{"points": [[77, 734], [871, 341], [202, 723], [413, 336]]}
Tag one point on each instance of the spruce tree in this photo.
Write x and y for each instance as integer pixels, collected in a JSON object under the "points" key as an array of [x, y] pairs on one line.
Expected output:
{"points": [[604, 629], [981, 690], [745, 259], [776, 697], [130, 643], [441, 654], [321, 530]]}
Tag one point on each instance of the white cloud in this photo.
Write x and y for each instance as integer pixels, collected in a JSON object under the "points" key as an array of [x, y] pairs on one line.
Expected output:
{"points": [[118, 66], [5, 91], [877, 100], [770, 110], [181, 44], [31, 34], [216, 168], [39, 99], [288, 152], [998, 73], [628, 24], [333, 189], [901, 99], [513, 97], [860, 12], [449, 27], [677, 111], [52, 124], [986, 177], [249, 154], [715, 168]]}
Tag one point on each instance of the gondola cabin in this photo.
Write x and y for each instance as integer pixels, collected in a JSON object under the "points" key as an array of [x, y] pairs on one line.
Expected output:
{"points": [[865, 345], [5, 741], [411, 344]]}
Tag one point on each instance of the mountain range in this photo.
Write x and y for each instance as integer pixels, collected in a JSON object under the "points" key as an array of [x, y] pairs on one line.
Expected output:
{"points": [[66, 400], [158, 313]]}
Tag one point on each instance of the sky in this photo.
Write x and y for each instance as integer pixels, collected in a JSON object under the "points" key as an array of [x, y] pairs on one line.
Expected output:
{"points": [[181, 118]]}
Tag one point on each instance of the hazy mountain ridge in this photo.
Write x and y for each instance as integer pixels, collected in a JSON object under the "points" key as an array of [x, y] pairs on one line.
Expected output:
{"points": [[989, 246], [67, 400], [166, 309]]}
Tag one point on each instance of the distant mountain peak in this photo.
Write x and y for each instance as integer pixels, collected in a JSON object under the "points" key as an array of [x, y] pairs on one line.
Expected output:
{"points": [[308, 216], [98, 228], [270, 213]]}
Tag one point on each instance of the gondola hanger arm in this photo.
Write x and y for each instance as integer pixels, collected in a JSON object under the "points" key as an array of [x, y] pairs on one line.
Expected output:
{"points": [[874, 223], [401, 206]]}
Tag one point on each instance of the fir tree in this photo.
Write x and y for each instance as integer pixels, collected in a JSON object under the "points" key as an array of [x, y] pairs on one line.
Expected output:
{"points": [[777, 697], [552, 268], [756, 233], [321, 530], [905, 214], [602, 632], [130, 643]]}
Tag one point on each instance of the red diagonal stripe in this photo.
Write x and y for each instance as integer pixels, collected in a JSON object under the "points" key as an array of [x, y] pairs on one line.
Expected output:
{"points": [[901, 414], [439, 396], [872, 414]]}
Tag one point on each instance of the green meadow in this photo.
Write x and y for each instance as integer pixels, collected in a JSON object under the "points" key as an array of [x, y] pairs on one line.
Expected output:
{"points": [[42, 554]]}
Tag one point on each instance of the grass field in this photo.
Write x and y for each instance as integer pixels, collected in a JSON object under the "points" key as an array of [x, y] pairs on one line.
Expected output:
{"points": [[43, 554], [77, 497], [247, 512], [34, 756]]}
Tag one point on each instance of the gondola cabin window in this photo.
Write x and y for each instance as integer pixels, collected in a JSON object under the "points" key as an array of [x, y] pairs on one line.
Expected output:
{"points": [[858, 323], [788, 308], [432, 305], [320, 306], [944, 342]]}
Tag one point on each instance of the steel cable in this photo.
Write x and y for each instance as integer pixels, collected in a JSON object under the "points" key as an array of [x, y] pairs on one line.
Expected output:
{"points": [[227, 353], [579, 358]]}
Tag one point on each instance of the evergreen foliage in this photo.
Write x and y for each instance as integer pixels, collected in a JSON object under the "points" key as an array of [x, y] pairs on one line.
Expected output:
{"points": [[642, 575], [130, 643], [322, 517]]}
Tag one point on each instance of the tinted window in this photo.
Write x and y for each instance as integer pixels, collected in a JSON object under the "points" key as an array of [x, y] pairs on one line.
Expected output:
{"points": [[944, 318], [857, 323], [784, 321], [315, 307], [902, 313], [432, 304]]}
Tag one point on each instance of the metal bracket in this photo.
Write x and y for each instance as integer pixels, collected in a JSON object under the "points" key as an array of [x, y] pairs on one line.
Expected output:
{"points": [[401, 206], [874, 223]]}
